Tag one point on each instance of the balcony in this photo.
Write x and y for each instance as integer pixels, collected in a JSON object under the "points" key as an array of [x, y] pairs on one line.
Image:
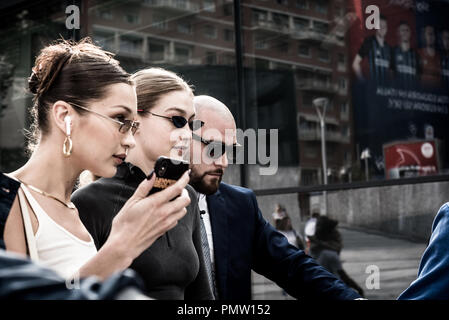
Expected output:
{"points": [[316, 36], [173, 6], [269, 26], [317, 85], [307, 134]]}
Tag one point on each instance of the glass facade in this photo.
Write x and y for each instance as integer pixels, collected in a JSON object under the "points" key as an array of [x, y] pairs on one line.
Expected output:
{"points": [[354, 96]]}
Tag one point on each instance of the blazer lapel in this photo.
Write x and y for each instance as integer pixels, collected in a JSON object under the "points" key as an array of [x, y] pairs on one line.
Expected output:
{"points": [[219, 224]]}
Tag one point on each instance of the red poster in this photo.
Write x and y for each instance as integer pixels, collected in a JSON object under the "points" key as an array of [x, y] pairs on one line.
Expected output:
{"points": [[410, 159]]}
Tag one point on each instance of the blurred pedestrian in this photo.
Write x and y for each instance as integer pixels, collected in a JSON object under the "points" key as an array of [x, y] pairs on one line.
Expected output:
{"points": [[283, 224], [326, 245], [309, 229]]}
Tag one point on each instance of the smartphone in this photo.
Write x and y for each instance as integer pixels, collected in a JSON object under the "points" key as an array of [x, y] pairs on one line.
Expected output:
{"points": [[167, 171]]}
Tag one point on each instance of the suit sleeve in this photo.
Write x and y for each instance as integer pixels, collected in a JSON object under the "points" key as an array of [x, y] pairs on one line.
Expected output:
{"points": [[433, 274], [290, 268], [200, 288]]}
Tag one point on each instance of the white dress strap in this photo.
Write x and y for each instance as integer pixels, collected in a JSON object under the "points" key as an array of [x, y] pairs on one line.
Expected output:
{"points": [[29, 233]]}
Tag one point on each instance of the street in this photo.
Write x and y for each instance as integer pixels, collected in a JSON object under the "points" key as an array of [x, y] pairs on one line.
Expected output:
{"points": [[363, 254]]}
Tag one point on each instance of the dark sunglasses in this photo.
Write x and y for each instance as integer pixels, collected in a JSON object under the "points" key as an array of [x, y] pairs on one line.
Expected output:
{"points": [[215, 149], [179, 122]]}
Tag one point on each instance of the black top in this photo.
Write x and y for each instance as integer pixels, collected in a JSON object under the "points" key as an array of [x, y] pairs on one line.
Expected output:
{"points": [[173, 266]]}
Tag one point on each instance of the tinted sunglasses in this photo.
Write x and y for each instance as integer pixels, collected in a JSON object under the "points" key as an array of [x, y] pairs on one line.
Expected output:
{"points": [[178, 121], [124, 126], [216, 149]]}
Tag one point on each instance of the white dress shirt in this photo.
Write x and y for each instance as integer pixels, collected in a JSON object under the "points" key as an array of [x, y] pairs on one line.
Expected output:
{"points": [[202, 204]]}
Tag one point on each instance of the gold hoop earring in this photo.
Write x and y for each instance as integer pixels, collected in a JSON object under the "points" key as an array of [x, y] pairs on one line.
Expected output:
{"points": [[67, 151]]}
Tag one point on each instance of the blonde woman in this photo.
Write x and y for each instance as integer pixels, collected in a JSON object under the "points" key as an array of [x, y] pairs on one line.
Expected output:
{"points": [[173, 267]]}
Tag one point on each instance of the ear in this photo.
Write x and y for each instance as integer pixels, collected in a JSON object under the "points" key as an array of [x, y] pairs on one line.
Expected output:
{"points": [[62, 114]]}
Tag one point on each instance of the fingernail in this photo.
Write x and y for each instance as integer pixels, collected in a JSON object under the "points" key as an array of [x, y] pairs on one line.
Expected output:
{"points": [[150, 175]]}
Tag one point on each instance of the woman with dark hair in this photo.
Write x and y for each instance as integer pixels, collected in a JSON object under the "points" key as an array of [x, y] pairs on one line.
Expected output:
{"points": [[83, 119], [173, 267]]}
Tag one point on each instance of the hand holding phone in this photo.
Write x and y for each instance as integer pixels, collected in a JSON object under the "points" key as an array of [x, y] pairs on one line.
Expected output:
{"points": [[167, 171]]}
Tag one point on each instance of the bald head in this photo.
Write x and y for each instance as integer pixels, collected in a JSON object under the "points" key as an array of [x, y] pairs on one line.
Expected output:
{"points": [[207, 106]]}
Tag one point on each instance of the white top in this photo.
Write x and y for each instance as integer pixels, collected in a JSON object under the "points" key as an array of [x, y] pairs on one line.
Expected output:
{"points": [[202, 204], [57, 248]]}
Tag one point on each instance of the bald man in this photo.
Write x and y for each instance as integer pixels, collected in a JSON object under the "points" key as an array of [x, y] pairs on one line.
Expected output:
{"points": [[238, 237]]}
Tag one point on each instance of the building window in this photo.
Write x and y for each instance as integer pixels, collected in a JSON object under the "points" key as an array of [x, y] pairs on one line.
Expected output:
{"points": [[131, 18], [184, 27], [182, 55], [132, 46], [104, 14], [209, 5], [321, 6], [210, 32], [282, 2], [301, 24], [211, 57], [159, 21], [345, 131], [304, 51], [156, 51], [302, 4], [321, 27], [259, 16], [105, 40], [228, 9], [323, 55], [260, 43], [342, 84], [229, 35]]}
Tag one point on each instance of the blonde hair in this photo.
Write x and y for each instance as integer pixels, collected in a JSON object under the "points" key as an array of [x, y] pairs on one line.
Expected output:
{"points": [[153, 83]]}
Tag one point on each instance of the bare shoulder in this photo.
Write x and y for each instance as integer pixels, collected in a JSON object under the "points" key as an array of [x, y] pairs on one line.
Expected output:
{"points": [[14, 233]]}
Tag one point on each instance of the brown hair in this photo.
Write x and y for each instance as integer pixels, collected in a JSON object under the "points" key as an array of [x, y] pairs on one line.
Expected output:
{"points": [[73, 72], [152, 84]]}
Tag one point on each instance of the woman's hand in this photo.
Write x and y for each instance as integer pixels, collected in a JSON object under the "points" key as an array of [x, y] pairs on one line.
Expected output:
{"points": [[144, 218]]}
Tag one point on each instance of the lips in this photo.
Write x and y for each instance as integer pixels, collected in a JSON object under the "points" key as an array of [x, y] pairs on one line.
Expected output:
{"points": [[119, 158]]}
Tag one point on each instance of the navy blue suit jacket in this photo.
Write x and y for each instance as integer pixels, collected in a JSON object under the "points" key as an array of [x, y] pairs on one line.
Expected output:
{"points": [[244, 240]]}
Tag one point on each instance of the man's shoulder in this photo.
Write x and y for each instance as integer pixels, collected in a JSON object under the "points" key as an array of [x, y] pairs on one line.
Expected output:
{"points": [[235, 190]]}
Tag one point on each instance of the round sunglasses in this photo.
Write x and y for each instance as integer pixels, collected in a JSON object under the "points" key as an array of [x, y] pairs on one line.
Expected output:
{"points": [[178, 121]]}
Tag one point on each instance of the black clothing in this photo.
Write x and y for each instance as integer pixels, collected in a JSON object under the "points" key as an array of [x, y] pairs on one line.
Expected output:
{"points": [[173, 266]]}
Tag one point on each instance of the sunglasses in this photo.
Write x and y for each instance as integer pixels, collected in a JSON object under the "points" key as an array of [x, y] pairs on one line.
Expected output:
{"points": [[178, 121], [125, 125], [216, 149]]}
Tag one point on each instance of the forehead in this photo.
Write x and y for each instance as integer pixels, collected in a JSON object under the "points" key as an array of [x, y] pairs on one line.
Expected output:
{"points": [[179, 100], [118, 94], [216, 124]]}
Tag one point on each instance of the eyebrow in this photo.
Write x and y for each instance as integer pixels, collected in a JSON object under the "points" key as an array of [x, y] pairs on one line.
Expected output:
{"points": [[180, 111], [124, 107]]}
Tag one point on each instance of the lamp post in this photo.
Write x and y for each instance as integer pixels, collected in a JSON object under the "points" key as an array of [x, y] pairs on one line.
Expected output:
{"points": [[365, 156], [322, 103]]}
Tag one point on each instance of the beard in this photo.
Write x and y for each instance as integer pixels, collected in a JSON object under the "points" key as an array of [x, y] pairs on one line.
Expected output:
{"points": [[198, 182]]}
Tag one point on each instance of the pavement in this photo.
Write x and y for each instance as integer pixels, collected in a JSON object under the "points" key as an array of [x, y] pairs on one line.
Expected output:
{"points": [[383, 266]]}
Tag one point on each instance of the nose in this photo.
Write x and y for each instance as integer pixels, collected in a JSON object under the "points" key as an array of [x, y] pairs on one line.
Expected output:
{"points": [[222, 161], [128, 140]]}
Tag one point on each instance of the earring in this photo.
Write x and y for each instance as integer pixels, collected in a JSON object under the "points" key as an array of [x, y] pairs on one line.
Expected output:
{"points": [[67, 146]]}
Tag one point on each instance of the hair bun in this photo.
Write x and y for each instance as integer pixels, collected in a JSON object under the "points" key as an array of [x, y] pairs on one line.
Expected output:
{"points": [[33, 83]]}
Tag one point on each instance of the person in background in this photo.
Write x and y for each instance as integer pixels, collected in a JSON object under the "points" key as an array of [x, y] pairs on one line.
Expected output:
{"points": [[283, 224], [326, 245]]}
